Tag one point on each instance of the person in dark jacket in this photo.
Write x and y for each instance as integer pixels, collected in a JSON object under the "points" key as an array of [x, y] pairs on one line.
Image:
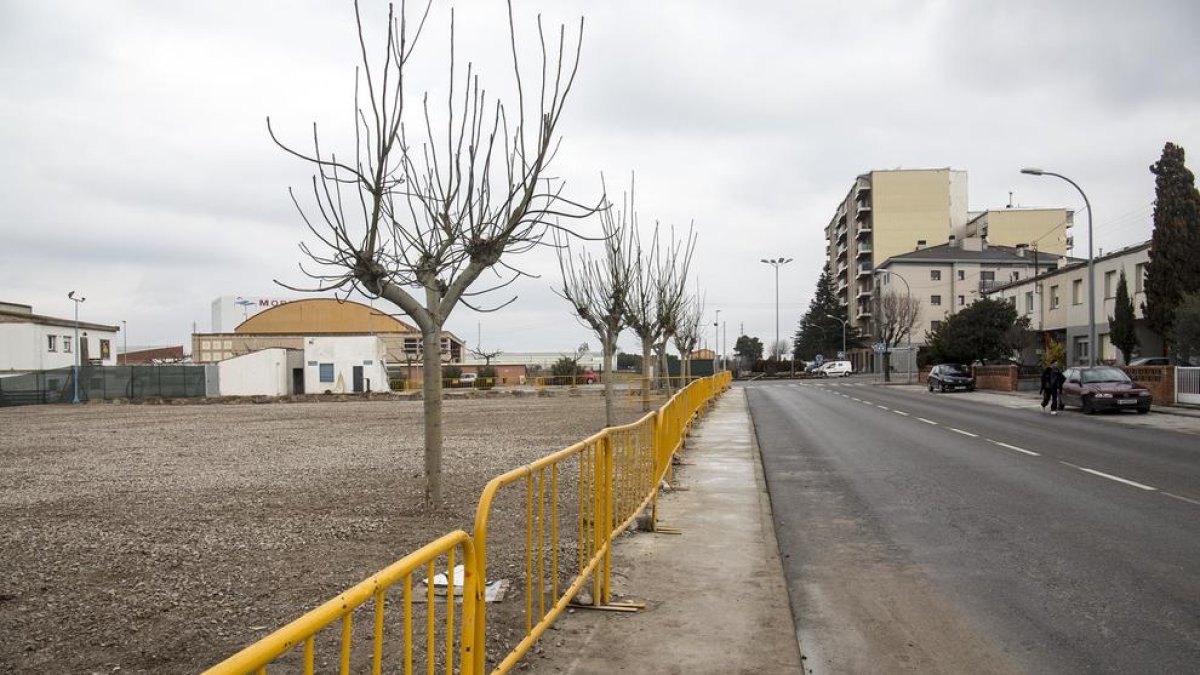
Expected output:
{"points": [[1052, 384]]}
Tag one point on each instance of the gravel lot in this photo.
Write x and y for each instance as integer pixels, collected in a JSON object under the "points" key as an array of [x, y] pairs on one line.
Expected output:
{"points": [[162, 539]]}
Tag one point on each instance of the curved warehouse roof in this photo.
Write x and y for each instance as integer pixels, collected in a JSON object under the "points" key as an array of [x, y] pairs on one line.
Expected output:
{"points": [[316, 316]]}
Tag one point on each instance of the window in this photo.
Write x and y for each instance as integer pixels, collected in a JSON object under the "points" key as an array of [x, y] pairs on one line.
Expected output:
{"points": [[1016, 276], [1012, 301], [987, 275], [105, 350], [962, 300], [51, 343], [1028, 302], [326, 372], [935, 275], [1054, 300], [934, 325], [1081, 349], [1139, 277], [935, 300], [1077, 292], [961, 275], [66, 344], [1110, 284]]}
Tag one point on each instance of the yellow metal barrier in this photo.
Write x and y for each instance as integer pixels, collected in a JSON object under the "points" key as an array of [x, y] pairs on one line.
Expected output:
{"points": [[579, 498], [303, 632]]}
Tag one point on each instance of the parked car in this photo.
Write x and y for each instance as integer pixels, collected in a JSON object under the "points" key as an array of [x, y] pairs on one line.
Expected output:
{"points": [[590, 377], [835, 369], [468, 379], [951, 376], [1152, 361], [1104, 388]]}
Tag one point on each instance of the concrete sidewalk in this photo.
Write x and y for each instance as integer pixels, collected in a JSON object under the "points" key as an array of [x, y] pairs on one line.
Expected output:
{"points": [[715, 597]]}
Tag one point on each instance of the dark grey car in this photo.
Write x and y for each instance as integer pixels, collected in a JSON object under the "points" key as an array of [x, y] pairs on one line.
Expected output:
{"points": [[951, 376]]}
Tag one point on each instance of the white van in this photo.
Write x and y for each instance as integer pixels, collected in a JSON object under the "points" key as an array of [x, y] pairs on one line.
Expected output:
{"points": [[835, 369]]}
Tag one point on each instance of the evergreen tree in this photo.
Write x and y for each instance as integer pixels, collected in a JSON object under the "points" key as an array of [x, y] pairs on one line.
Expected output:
{"points": [[1121, 323], [1185, 333], [748, 349], [985, 329], [1174, 267], [816, 333]]}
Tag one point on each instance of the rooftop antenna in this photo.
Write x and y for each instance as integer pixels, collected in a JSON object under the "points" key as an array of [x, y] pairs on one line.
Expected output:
{"points": [[1009, 200]]}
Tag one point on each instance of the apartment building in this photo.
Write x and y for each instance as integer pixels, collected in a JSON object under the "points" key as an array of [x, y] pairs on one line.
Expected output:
{"points": [[948, 277], [1042, 230], [884, 214], [1056, 303]]}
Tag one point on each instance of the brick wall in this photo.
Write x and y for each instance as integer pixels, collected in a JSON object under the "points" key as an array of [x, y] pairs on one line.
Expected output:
{"points": [[1160, 380], [996, 378]]}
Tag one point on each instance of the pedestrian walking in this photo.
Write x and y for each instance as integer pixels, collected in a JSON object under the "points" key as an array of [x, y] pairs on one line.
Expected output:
{"points": [[1051, 391]]}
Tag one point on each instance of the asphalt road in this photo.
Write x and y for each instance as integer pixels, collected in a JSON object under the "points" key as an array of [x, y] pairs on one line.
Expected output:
{"points": [[946, 533]]}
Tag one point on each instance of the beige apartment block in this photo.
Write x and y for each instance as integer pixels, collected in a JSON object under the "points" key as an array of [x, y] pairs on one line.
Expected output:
{"points": [[884, 214], [1043, 231], [1056, 303]]}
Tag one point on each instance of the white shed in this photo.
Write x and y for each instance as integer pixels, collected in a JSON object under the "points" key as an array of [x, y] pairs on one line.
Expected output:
{"points": [[342, 365], [267, 372]]}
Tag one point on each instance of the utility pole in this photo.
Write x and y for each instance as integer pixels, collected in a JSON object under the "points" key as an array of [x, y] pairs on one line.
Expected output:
{"points": [[776, 263], [75, 365]]}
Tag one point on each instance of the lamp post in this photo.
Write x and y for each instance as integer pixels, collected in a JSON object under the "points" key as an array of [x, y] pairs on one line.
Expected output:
{"points": [[716, 340], [776, 263], [843, 322], [1091, 266], [908, 331], [75, 360], [125, 337]]}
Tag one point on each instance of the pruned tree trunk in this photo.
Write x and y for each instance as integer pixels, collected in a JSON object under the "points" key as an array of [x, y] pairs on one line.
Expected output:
{"points": [[431, 390]]}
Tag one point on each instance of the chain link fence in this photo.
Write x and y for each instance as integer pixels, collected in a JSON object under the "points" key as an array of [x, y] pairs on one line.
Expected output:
{"points": [[103, 383]]}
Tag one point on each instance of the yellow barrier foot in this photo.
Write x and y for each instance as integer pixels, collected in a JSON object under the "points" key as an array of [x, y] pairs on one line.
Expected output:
{"points": [[612, 607], [659, 529]]}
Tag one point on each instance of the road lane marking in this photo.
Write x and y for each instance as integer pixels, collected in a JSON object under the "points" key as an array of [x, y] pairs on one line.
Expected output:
{"points": [[1182, 499], [855, 398], [882, 407], [1013, 447], [964, 433], [900, 412], [1109, 476], [927, 421]]}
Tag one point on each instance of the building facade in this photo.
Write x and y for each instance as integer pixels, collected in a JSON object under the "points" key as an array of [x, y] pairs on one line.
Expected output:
{"points": [[287, 325], [31, 342], [948, 277], [1056, 304], [1042, 231]]}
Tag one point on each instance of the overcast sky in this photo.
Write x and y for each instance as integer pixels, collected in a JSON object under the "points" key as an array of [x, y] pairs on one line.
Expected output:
{"points": [[137, 169]]}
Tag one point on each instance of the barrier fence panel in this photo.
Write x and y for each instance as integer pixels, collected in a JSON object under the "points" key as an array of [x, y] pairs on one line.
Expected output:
{"points": [[563, 510], [446, 647]]}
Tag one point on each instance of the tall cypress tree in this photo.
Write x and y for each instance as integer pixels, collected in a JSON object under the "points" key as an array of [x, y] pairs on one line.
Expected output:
{"points": [[817, 333], [1174, 267], [1121, 323]]}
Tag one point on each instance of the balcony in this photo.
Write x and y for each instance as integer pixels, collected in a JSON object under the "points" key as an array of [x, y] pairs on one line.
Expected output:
{"points": [[862, 184], [863, 205], [863, 229], [864, 270], [986, 285], [864, 312], [862, 215], [841, 251], [864, 292], [864, 249]]}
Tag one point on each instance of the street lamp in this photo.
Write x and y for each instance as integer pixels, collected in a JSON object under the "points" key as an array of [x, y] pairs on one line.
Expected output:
{"points": [[75, 362], [776, 263], [125, 337], [1091, 266], [843, 321], [716, 340], [908, 330]]}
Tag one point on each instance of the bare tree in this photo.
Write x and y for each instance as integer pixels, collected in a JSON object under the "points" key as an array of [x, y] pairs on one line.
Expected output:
{"points": [[778, 350], [417, 220], [897, 314], [670, 295], [597, 288], [657, 271], [687, 336]]}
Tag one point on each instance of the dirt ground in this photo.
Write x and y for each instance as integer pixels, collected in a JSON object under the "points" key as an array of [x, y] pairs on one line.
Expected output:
{"points": [[162, 539]]}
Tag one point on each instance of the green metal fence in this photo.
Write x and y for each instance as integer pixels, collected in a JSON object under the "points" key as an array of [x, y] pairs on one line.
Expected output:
{"points": [[103, 383]]}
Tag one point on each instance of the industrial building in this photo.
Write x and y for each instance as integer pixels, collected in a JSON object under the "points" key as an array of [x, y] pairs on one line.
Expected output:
{"points": [[33, 342]]}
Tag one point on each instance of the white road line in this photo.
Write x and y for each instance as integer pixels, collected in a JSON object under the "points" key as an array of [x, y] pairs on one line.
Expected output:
{"points": [[1182, 499], [1013, 447], [1112, 477], [964, 433], [900, 412], [882, 407], [864, 402], [855, 398], [927, 421], [844, 395]]}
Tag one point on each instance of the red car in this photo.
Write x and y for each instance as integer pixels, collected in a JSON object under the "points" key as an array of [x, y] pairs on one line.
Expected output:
{"points": [[590, 377], [1104, 388]]}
